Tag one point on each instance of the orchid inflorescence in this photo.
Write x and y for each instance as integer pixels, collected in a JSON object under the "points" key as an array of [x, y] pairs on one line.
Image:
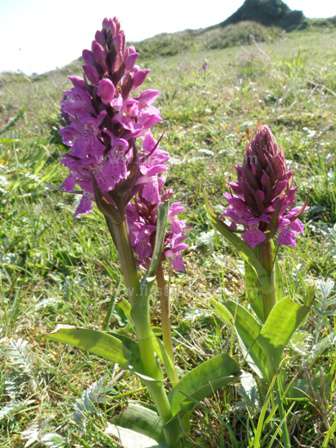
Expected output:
{"points": [[120, 166], [263, 197], [113, 152]]}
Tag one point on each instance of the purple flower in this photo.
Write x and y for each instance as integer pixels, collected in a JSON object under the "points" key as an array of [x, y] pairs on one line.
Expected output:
{"points": [[113, 156], [103, 120], [141, 218], [262, 199]]}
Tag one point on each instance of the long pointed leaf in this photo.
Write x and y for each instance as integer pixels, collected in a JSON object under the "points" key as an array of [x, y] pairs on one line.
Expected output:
{"points": [[161, 227], [159, 237], [252, 291], [131, 439], [101, 344], [202, 382], [285, 317], [249, 329]]}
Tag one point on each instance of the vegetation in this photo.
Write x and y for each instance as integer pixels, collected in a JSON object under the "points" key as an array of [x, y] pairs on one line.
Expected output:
{"points": [[243, 33], [55, 269], [269, 13]]}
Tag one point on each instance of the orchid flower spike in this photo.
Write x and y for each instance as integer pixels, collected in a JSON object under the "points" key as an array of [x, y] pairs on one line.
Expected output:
{"points": [[104, 116], [113, 155], [263, 197]]}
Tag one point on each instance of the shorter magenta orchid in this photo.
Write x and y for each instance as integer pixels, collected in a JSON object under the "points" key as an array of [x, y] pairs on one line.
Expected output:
{"points": [[262, 200]]}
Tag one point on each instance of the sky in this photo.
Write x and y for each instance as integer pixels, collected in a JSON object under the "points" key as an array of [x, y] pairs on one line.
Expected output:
{"points": [[40, 35]]}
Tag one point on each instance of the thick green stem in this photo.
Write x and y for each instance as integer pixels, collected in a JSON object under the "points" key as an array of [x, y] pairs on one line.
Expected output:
{"points": [[118, 231], [165, 319], [141, 319], [140, 314], [268, 292]]}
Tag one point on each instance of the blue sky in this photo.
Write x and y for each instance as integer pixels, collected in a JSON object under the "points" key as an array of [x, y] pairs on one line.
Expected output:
{"points": [[39, 35]]}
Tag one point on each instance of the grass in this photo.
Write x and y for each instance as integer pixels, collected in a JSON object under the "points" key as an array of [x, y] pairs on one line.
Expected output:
{"points": [[55, 269]]}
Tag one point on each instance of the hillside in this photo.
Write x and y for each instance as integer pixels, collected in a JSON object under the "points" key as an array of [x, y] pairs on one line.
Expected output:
{"points": [[243, 33]]}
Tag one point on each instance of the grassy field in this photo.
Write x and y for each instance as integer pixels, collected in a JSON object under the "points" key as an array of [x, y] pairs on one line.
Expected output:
{"points": [[55, 269]]}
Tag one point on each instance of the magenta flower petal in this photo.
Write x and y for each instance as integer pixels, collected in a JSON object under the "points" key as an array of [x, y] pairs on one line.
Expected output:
{"points": [[85, 206], [77, 81], [69, 183], [297, 226], [91, 73], [148, 96], [130, 57], [178, 264], [139, 77], [287, 237], [99, 54], [254, 237], [106, 90]]}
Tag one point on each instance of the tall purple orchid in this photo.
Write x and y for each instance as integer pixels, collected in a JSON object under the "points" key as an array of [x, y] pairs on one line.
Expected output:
{"points": [[262, 200], [113, 155], [118, 164]]}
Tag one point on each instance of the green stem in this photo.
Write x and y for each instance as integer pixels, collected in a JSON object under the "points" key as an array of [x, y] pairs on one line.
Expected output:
{"points": [[141, 319], [165, 319], [118, 231], [268, 293], [283, 416]]}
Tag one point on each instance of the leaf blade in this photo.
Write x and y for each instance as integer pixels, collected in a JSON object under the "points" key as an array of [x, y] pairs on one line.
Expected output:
{"points": [[140, 419], [202, 381], [101, 344], [249, 329], [284, 319]]}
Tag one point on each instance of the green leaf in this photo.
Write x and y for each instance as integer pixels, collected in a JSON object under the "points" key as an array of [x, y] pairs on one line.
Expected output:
{"points": [[131, 439], [140, 419], [101, 344], [284, 318], [8, 140], [265, 344], [202, 382], [165, 359], [249, 329], [160, 234], [252, 291], [161, 226], [222, 312]]}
